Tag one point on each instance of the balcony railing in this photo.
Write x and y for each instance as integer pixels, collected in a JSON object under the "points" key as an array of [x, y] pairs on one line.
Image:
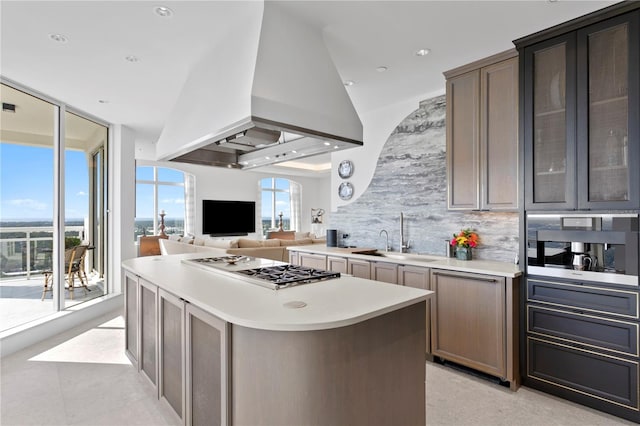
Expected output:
{"points": [[28, 250]]}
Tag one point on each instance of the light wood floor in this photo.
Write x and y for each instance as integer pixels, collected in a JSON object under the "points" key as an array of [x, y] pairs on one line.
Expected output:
{"points": [[82, 377]]}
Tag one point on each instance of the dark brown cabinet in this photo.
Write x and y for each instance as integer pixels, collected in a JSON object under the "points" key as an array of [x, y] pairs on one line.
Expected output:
{"points": [[580, 128], [482, 134], [581, 116], [582, 343]]}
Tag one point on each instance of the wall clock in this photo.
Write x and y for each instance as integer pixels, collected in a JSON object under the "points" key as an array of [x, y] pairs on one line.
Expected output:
{"points": [[345, 190], [345, 169]]}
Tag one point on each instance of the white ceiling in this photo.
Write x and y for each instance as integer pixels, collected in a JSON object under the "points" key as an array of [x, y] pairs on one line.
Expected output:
{"points": [[360, 35]]}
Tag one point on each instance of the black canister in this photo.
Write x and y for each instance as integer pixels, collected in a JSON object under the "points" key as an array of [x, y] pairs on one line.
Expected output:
{"points": [[332, 238]]}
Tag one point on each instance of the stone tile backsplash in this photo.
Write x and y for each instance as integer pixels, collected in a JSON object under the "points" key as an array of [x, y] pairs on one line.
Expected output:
{"points": [[411, 177]]}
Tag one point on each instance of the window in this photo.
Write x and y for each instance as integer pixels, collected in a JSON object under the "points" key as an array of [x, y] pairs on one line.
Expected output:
{"points": [[279, 196], [159, 190]]}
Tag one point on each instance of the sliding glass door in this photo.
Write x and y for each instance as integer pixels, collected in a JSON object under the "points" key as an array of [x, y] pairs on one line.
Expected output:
{"points": [[27, 143], [52, 200]]}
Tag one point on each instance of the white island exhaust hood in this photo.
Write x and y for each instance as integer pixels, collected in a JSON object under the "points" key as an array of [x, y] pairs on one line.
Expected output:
{"points": [[266, 94]]}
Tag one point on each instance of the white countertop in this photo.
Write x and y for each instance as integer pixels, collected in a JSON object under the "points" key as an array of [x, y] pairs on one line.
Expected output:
{"points": [[329, 304], [489, 267]]}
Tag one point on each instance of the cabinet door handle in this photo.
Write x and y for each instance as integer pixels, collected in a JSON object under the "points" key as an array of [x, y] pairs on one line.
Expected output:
{"points": [[444, 274]]}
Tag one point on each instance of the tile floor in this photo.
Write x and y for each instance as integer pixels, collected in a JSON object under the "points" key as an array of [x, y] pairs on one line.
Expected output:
{"points": [[82, 377]]}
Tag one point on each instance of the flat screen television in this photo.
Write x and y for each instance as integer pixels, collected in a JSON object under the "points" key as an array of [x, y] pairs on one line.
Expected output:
{"points": [[228, 218]]}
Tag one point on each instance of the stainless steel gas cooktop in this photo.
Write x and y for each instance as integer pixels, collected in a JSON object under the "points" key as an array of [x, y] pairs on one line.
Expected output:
{"points": [[273, 277]]}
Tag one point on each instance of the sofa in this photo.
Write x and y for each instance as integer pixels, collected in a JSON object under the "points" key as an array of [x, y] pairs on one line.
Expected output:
{"points": [[275, 249]]}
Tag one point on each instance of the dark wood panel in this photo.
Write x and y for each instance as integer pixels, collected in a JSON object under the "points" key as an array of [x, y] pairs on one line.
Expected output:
{"points": [[601, 300], [619, 336], [611, 379]]}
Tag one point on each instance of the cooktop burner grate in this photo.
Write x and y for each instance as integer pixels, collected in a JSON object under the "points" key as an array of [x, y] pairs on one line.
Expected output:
{"points": [[286, 275], [273, 277]]}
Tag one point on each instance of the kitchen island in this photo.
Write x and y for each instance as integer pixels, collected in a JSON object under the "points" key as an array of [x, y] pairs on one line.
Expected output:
{"points": [[216, 346]]}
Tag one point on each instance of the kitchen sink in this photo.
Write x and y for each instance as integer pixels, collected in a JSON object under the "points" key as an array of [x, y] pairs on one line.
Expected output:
{"points": [[397, 256]]}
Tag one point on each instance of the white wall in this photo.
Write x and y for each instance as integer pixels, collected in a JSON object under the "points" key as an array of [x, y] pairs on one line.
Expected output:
{"points": [[377, 127], [216, 183], [122, 175]]}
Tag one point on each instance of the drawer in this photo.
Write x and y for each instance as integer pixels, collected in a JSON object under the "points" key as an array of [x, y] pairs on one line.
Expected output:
{"points": [[610, 379], [614, 335], [588, 298]]}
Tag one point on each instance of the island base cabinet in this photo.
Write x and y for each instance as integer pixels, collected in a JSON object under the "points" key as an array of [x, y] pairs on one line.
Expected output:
{"points": [[148, 320], [171, 351], [369, 373], [131, 298], [207, 383]]}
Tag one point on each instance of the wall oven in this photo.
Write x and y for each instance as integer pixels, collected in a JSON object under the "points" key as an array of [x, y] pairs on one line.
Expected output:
{"points": [[602, 248]]}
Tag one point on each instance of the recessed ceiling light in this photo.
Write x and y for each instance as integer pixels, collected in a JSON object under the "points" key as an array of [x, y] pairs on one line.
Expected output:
{"points": [[423, 52], [131, 58], [349, 83], [163, 11], [327, 143], [103, 101], [294, 152], [60, 38], [382, 69]]}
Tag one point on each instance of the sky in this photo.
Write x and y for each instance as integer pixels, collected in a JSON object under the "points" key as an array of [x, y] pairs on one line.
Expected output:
{"points": [[26, 183]]}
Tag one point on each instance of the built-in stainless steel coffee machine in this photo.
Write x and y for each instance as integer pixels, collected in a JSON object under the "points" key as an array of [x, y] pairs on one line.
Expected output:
{"points": [[594, 247]]}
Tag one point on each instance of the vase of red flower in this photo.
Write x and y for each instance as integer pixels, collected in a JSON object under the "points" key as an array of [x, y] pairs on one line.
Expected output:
{"points": [[463, 242]]}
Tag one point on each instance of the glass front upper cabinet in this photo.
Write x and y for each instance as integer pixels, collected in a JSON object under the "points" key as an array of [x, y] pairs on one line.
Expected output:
{"points": [[549, 122], [582, 118], [607, 52]]}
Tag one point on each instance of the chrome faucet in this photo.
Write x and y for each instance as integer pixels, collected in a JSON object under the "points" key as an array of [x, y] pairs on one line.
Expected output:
{"points": [[404, 246], [387, 247]]}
